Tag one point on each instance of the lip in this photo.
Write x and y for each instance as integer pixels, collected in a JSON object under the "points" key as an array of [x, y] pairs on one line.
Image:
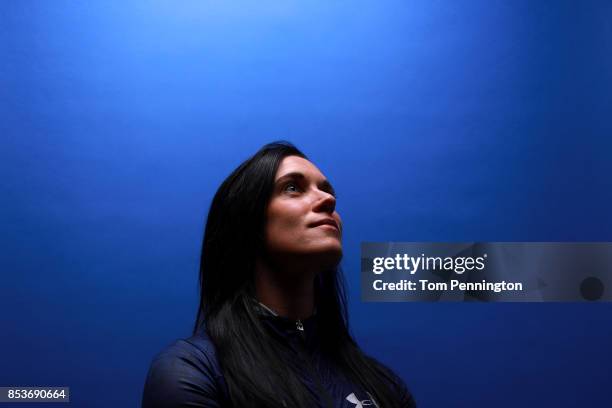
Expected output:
{"points": [[325, 222]]}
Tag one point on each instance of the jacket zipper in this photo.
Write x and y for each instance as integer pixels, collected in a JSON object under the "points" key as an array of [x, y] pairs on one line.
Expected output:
{"points": [[315, 378]]}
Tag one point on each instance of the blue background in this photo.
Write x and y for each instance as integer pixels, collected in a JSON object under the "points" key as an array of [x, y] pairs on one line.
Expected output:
{"points": [[435, 120]]}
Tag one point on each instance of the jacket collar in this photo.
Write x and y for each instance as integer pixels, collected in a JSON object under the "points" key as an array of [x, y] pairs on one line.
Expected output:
{"points": [[300, 329]]}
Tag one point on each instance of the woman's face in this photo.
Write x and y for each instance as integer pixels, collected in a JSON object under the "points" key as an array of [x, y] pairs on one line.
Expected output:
{"points": [[301, 215]]}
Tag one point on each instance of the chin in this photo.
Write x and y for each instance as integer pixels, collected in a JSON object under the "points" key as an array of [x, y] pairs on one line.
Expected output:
{"points": [[328, 256]]}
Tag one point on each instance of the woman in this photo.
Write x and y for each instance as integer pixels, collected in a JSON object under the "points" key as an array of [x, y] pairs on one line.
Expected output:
{"points": [[271, 329]]}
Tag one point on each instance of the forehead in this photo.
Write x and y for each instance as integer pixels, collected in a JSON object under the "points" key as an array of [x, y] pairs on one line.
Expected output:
{"points": [[296, 164]]}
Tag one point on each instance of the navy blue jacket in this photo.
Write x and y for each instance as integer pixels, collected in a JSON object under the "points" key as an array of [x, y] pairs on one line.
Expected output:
{"points": [[187, 373]]}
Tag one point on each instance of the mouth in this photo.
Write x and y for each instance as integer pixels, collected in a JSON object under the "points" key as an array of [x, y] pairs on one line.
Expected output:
{"points": [[328, 222]]}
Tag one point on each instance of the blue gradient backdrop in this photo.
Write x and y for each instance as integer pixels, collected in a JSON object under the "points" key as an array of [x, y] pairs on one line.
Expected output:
{"points": [[435, 120]]}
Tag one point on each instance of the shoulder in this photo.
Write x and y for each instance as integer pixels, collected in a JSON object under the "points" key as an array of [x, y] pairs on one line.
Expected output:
{"points": [[194, 354], [395, 383], [185, 373], [405, 396], [399, 386]]}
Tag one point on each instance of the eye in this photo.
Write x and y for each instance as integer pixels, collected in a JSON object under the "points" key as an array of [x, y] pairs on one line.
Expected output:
{"points": [[291, 187]]}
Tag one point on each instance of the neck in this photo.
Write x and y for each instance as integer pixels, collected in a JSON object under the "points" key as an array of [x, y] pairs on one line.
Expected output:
{"points": [[289, 293]]}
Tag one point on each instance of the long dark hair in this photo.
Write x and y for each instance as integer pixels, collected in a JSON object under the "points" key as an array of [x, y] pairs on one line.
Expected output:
{"points": [[250, 358]]}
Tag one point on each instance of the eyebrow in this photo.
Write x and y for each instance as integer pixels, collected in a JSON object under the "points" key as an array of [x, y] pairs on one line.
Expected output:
{"points": [[325, 184]]}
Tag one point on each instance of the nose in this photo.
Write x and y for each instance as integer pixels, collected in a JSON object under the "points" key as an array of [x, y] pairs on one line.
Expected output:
{"points": [[326, 202]]}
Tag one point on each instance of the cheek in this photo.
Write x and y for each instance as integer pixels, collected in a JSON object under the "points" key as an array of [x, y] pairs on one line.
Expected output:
{"points": [[285, 226]]}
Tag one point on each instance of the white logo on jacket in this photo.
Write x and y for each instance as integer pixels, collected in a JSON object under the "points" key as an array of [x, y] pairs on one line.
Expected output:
{"points": [[360, 404]]}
